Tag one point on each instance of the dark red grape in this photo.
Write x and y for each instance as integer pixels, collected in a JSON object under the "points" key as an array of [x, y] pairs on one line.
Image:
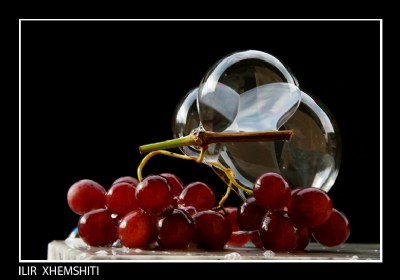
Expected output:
{"points": [[175, 202], [278, 233], [175, 230], [98, 228], [199, 195], [232, 217], [189, 209], [250, 215], [272, 192], [121, 199], [154, 194], [127, 179], [175, 182], [238, 238], [334, 231], [310, 207], [136, 229], [213, 230], [86, 195], [296, 191], [304, 234]]}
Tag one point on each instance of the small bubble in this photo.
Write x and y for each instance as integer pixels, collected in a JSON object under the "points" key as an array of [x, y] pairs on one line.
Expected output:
{"points": [[125, 249], [101, 253], [233, 256], [269, 254]]}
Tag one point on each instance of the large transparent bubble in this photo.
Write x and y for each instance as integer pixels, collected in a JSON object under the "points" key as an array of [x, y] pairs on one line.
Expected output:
{"points": [[253, 91], [235, 92]]}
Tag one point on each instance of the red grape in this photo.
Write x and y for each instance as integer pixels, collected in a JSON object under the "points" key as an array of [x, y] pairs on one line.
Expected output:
{"points": [[154, 194], [334, 231], [294, 191], [250, 215], [136, 229], [278, 233], [121, 199], [127, 179], [175, 230], [232, 217], [98, 228], [213, 230], [86, 195], [175, 182], [271, 191], [310, 207], [238, 238], [189, 209], [304, 234], [199, 195]]}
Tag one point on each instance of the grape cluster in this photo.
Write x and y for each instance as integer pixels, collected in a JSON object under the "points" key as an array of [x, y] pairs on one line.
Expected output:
{"points": [[161, 210], [157, 209], [282, 219]]}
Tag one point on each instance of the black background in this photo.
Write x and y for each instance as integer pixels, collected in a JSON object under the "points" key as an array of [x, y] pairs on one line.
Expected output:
{"points": [[92, 92]]}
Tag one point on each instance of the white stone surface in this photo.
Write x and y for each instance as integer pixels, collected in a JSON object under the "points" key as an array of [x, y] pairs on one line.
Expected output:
{"points": [[76, 249]]}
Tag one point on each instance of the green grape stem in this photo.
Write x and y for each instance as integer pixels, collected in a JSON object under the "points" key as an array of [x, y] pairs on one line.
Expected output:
{"points": [[204, 138]]}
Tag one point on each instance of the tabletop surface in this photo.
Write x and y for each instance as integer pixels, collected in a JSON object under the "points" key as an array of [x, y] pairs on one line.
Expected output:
{"points": [[75, 249]]}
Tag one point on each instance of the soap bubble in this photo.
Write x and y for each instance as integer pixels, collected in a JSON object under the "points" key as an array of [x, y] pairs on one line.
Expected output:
{"points": [[253, 91], [247, 91]]}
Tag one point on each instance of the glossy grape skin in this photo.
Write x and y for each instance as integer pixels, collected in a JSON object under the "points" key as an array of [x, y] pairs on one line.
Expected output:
{"points": [[231, 214], [86, 195], [272, 192], [294, 191], [136, 229], [304, 237], [238, 238], [250, 215], [121, 199], [154, 194], [303, 231], [127, 179], [175, 230], [278, 233], [198, 195], [191, 210], [334, 231], [213, 230], [310, 207], [98, 228], [175, 182]]}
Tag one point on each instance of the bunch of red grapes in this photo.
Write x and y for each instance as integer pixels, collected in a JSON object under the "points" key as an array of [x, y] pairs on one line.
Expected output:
{"points": [[161, 210]]}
